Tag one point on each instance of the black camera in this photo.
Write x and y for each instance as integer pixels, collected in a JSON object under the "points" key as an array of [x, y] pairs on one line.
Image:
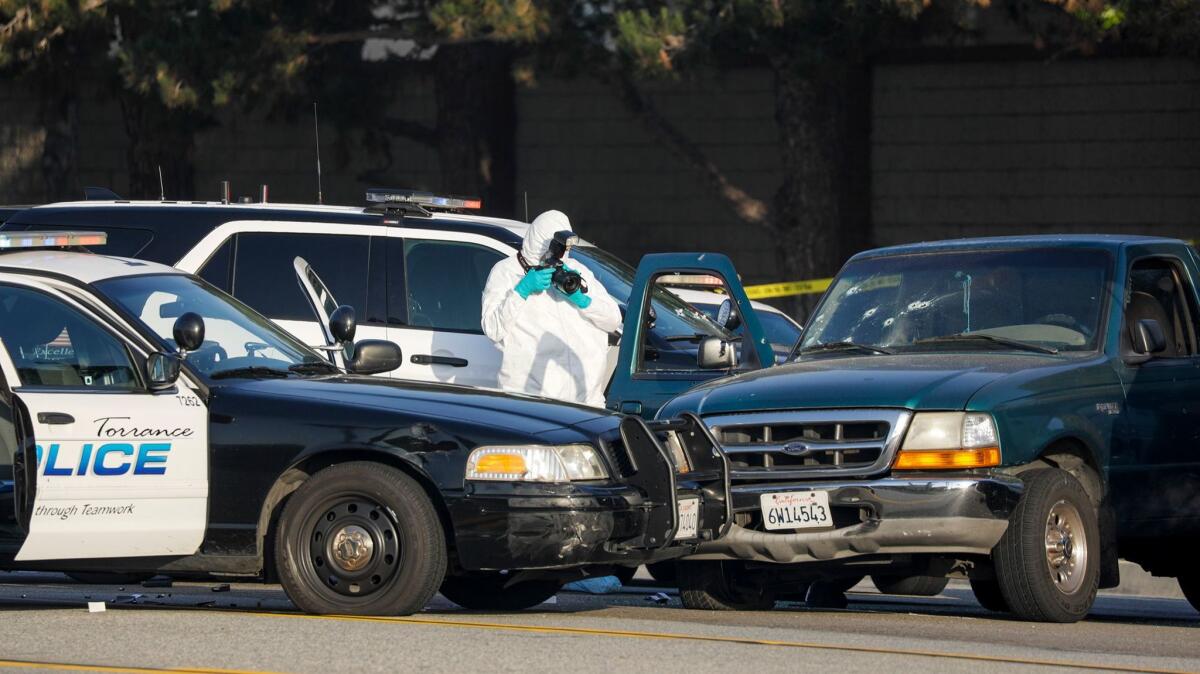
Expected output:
{"points": [[564, 279]]}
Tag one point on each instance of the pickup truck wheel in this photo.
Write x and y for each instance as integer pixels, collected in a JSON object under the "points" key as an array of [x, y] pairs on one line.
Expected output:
{"points": [[917, 586], [360, 538], [1190, 584], [1048, 561], [487, 592], [987, 593], [722, 586]]}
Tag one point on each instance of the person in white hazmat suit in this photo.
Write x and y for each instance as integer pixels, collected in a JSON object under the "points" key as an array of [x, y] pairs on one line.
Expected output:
{"points": [[552, 344]]}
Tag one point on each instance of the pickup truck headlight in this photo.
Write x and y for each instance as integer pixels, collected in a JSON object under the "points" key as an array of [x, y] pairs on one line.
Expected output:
{"points": [[536, 463], [937, 440]]}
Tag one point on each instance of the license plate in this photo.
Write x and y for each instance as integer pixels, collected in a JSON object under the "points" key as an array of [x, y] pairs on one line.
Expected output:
{"points": [[795, 510], [689, 518]]}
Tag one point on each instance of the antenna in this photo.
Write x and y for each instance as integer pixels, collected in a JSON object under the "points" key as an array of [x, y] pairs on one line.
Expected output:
{"points": [[526, 205], [317, 136], [162, 191]]}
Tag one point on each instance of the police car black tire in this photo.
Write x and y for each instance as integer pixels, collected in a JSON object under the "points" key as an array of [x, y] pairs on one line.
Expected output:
{"points": [[1020, 558], [405, 581], [487, 592], [721, 586]]}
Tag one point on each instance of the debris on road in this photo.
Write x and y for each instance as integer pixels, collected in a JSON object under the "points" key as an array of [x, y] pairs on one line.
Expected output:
{"points": [[96, 607]]}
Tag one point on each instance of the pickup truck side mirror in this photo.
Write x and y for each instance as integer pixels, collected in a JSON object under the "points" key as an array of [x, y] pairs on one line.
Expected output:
{"points": [[1148, 337], [716, 354], [375, 356]]}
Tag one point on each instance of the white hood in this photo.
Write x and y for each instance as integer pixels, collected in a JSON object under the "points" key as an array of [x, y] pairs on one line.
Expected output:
{"points": [[541, 233]]}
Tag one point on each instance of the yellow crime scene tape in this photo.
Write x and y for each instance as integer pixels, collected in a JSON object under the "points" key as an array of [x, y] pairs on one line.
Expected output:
{"points": [[786, 289]]}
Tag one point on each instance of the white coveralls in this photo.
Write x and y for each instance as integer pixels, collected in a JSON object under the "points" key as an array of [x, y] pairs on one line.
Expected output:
{"points": [[550, 347]]}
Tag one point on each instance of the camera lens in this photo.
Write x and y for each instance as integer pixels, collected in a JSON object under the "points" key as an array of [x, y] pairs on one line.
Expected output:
{"points": [[567, 281]]}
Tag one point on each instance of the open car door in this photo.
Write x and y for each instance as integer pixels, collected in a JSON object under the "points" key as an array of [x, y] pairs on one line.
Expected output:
{"points": [[103, 467], [323, 304], [654, 363]]}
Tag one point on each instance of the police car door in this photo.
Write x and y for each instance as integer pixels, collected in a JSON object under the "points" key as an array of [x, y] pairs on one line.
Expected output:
{"points": [[114, 470]]}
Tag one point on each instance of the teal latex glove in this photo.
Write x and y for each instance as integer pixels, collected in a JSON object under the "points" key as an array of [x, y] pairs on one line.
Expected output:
{"points": [[534, 281], [579, 299]]}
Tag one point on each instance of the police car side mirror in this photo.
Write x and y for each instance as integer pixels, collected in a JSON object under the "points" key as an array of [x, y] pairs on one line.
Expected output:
{"points": [[342, 324], [188, 332], [716, 354], [375, 356], [162, 370]]}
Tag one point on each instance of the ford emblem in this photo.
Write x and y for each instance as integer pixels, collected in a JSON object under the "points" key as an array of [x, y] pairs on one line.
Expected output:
{"points": [[796, 449]]}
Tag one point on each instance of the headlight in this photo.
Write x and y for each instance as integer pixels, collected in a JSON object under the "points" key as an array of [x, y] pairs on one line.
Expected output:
{"points": [[949, 440], [536, 463]]}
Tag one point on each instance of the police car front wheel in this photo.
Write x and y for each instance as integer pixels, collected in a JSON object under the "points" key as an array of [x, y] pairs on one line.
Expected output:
{"points": [[361, 538]]}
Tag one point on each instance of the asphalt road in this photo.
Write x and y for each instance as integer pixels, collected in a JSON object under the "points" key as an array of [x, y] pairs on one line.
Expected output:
{"points": [[45, 626]]}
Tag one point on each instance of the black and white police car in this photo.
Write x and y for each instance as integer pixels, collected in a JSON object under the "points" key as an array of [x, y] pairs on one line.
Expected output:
{"points": [[412, 264], [150, 423]]}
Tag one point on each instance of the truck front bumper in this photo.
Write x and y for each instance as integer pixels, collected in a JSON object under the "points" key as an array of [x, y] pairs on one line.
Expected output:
{"points": [[960, 514]]}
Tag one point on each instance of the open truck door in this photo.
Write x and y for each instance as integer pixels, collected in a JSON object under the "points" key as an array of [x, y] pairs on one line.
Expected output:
{"points": [[667, 347]]}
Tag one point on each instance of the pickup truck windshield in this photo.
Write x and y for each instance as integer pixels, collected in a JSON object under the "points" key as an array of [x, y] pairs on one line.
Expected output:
{"points": [[1045, 300]]}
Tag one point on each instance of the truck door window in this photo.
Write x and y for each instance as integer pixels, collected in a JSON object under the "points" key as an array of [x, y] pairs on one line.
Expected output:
{"points": [[1157, 292], [264, 278], [54, 345], [675, 329], [444, 283]]}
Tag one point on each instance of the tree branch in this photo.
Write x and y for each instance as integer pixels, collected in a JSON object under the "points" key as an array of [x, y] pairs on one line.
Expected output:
{"points": [[415, 131], [747, 208]]}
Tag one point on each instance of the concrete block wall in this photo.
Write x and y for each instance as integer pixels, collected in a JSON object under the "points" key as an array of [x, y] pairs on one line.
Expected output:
{"points": [[994, 148]]}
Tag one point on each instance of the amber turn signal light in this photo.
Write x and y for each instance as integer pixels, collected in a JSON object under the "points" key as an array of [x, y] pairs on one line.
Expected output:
{"points": [[924, 459]]}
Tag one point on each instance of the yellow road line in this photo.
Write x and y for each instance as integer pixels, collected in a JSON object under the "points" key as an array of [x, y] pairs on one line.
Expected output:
{"points": [[74, 667], [585, 631]]}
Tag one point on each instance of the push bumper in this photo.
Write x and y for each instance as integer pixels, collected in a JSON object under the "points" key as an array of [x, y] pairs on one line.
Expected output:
{"points": [[633, 518], [934, 514]]}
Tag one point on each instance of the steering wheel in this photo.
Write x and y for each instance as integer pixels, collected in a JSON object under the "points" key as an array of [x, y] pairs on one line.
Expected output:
{"points": [[252, 348]]}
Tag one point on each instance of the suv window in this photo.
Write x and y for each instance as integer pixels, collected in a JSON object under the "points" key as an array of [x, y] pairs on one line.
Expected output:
{"points": [[1157, 291], [264, 277], [52, 344], [444, 284]]}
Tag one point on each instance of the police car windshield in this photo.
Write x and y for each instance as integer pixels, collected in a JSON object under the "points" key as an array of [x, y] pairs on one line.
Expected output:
{"points": [[235, 336]]}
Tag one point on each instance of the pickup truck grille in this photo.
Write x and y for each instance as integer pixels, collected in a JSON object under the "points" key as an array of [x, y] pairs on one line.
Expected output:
{"points": [[810, 443]]}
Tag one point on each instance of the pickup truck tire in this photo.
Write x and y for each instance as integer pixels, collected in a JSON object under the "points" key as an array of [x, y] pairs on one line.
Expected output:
{"points": [[722, 586], [987, 593], [1190, 584], [360, 538], [487, 592], [1048, 561], [917, 586]]}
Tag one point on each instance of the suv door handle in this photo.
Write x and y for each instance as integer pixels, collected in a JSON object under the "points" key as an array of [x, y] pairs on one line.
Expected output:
{"points": [[55, 418], [439, 360]]}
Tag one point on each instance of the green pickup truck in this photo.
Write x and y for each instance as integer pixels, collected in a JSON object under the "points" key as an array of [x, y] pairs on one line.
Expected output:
{"points": [[1016, 411]]}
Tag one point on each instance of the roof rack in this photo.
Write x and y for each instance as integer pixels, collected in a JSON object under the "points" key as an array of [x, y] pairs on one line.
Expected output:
{"points": [[33, 240], [413, 202]]}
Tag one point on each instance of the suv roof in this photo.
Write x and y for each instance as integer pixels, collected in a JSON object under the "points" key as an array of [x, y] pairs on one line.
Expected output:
{"points": [[189, 221]]}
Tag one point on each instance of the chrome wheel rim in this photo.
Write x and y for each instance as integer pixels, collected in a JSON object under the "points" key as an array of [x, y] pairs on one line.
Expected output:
{"points": [[1066, 547]]}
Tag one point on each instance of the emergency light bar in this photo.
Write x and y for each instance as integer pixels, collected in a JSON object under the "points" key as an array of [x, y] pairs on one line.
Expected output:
{"points": [[424, 199], [16, 240], [705, 281]]}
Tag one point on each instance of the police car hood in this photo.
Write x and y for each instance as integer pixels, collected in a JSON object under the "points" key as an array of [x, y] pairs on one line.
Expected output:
{"points": [[494, 409]]}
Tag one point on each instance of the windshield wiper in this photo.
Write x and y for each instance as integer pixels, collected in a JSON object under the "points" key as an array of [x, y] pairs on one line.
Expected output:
{"points": [[985, 337], [843, 346], [252, 372], [314, 367]]}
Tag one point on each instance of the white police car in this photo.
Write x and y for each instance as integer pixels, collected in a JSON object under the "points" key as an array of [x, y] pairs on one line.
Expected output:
{"points": [[412, 264], [149, 423]]}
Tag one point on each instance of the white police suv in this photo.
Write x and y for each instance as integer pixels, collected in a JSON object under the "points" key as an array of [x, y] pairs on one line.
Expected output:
{"points": [[412, 264], [150, 423]]}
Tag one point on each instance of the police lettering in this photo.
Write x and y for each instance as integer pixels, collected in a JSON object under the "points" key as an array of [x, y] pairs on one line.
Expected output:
{"points": [[113, 458]]}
